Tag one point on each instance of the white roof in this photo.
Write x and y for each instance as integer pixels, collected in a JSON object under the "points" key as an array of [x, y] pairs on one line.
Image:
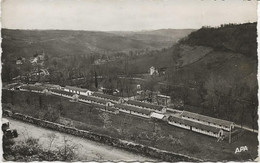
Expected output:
{"points": [[164, 96], [157, 115]]}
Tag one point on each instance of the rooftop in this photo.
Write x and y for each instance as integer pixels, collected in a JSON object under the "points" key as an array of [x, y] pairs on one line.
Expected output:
{"points": [[157, 115], [144, 104], [63, 92], [76, 88], [132, 108], [110, 97], [32, 87], [193, 124], [164, 96], [207, 119], [90, 98]]}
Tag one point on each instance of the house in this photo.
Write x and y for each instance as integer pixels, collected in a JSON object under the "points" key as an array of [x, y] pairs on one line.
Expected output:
{"points": [[106, 97], [19, 61], [145, 105], [109, 91], [79, 91], [153, 71], [157, 71], [195, 127], [210, 121], [133, 110], [37, 58], [163, 100]]}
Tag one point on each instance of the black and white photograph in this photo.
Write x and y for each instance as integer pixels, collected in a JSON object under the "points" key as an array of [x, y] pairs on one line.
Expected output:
{"points": [[129, 80]]}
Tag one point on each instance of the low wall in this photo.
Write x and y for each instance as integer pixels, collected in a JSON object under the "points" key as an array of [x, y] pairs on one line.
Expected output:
{"points": [[130, 146]]}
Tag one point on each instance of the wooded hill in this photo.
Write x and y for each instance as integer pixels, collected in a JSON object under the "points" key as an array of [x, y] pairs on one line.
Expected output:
{"points": [[213, 70], [24, 43], [237, 38]]}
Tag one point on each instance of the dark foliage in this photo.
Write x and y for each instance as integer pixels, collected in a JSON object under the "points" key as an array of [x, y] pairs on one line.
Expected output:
{"points": [[240, 38]]}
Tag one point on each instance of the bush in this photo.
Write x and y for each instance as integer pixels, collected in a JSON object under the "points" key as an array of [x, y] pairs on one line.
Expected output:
{"points": [[31, 150]]}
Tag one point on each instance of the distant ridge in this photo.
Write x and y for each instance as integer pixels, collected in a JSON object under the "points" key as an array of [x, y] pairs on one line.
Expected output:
{"points": [[78, 42]]}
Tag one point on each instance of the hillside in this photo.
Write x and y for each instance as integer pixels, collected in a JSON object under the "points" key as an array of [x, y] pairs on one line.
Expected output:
{"points": [[213, 75], [237, 38], [25, 43], [170, 36]]}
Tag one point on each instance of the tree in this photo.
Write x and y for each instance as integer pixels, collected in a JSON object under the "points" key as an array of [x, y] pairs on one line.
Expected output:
{"points": [[96, 80], [31, 150]]}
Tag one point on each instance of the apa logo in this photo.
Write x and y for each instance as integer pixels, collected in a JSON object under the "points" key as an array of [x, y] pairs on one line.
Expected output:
{"points": [[241, 149]]}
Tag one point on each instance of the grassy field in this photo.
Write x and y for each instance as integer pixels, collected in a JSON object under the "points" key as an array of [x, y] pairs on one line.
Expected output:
{"points": [[132, 128]]}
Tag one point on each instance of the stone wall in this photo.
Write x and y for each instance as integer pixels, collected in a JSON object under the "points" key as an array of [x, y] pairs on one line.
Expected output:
{"points": [[130, 146]]}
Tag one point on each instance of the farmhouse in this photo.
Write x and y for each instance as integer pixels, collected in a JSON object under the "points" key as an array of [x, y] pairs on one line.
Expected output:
{"points": [[196, 127], [202, 119], [145, 105], [79, 91], [106, 97], [133, 110]]}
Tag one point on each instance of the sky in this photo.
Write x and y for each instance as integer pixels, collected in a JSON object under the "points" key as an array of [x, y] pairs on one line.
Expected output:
{"points": [[124, 15]]}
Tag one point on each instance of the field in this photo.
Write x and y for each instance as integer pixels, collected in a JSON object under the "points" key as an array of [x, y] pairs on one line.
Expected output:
{"points": [[140, 130]]}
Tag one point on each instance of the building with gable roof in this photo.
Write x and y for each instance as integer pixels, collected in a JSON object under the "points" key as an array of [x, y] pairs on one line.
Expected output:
{"points": [[210, 121]]}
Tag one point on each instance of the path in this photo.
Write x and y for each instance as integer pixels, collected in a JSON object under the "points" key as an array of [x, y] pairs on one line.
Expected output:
{"points": [[86, 149]]}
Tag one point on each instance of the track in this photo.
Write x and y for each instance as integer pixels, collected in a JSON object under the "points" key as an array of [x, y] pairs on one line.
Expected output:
{"points": [[86, 149]]}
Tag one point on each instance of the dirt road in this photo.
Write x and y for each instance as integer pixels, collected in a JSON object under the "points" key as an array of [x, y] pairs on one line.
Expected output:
{"points": [[86, 149]]}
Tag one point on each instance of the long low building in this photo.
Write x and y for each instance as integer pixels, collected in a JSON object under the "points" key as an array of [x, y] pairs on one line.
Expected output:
{"points": [[109, 109], [90, 99], [79, 91], [145, 105], [196, 127], [133, 110], [106, 97], [225, 125], [33, 88], [51, 86], [62, 93]]}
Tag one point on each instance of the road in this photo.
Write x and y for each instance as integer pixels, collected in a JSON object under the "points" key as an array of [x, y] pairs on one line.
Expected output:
{"points": [[86, 149]]}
